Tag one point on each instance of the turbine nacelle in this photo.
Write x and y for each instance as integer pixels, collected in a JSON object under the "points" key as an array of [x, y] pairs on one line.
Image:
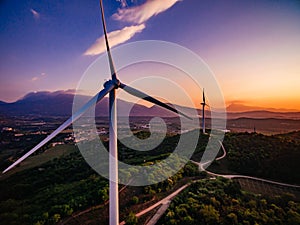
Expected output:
{"points": [[114, 82]]}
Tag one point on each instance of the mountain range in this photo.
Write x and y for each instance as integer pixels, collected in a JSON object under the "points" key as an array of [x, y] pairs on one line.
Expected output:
{"points": [[237, 107], [60, 103]]}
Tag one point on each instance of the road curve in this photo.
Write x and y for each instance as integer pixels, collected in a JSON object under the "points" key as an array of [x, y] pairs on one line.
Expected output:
{"points": [[231, 176]]}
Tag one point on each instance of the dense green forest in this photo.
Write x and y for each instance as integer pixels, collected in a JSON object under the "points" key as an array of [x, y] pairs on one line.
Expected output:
{"points": [[50, 192], [274, 157], [62, 186], [221, 201], [54, 190]]}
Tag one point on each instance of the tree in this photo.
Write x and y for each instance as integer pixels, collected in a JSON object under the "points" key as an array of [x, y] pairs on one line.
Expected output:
{"points": [[56, 218], [135, 200], [293, 217], [232, 218], [210, 214], [131, 219]]}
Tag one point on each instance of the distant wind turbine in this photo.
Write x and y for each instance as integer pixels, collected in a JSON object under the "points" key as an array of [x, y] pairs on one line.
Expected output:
{"points": [[110, 87], [203, 111]]}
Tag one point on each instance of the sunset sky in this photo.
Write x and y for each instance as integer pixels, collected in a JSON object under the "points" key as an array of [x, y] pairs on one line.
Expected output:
{"points": [[252, 47]]}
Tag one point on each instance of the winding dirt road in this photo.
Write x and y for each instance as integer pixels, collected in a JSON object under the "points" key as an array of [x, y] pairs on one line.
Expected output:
{"points": [[167, 199], [232, 176]]}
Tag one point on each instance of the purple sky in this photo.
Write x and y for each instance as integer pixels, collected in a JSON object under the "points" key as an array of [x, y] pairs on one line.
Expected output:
{"points": [[251, 46]]}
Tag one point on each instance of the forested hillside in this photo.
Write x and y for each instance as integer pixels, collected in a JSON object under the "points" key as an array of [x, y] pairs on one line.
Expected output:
{"points": [[275, 157], [66, 185], [221, 201]]}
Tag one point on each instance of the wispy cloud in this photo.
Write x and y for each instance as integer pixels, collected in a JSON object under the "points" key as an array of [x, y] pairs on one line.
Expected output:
{"points": [[123, 3], [35, 14], [137, 16], [36, 78], [115, 38], [142, 13]]}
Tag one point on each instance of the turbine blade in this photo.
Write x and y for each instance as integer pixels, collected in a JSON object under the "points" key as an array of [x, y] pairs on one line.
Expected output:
{"points": [[148, 98], [67, 123], [203, 97], [111, 63]]}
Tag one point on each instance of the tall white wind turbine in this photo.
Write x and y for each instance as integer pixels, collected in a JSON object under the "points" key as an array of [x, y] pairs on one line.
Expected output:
{"points": [[109, 88], [203, 111]]}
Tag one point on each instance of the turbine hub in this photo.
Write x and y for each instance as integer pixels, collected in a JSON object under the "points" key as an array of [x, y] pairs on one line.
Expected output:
{"points": [[114, 82]]}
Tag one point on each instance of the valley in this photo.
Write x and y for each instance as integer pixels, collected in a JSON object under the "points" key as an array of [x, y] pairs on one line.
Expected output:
{"points": [[48, 188]]}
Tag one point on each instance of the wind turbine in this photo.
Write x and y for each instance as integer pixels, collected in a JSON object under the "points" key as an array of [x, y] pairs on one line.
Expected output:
{"points": [[203, 111], [110, 87]]}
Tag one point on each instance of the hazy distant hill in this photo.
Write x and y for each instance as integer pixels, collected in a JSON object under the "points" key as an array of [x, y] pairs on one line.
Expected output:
{"points": [[40, 103], [59, 103], [235, 107], [263, 114]]}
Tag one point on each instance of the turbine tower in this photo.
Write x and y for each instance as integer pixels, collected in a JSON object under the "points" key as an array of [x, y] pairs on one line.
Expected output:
{"points": [[203, 111], [110, 87]]}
